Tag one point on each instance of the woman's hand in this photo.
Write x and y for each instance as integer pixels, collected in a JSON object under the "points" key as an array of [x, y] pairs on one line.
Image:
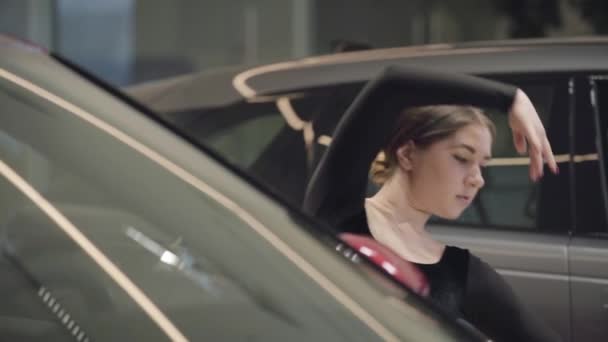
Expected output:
{"points": [[529, 135]]}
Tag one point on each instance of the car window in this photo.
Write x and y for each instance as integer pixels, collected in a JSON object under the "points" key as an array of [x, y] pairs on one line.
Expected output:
{"points": [[239, 132], [269, 141], [243, 144], [208, 266], [278, 140]]}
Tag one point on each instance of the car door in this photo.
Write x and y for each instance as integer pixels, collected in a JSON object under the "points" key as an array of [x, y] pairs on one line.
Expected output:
{"points": [[588, 251], [125, 232], [520, 227]]}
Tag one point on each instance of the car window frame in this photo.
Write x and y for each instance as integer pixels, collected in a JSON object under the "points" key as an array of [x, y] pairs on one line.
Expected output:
{"points": [[601, 142], [588, 220]]}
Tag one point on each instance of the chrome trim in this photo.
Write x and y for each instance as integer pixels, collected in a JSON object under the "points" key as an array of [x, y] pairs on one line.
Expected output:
{"points": [[592, 280], [536, 275], [515, 161]]}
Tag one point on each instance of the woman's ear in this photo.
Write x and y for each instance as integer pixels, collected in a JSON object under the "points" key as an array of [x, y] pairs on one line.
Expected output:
{"points": [[404, 155]]}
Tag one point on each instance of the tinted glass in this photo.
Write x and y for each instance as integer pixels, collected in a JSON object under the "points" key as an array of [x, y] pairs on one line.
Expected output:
{"points": [[277, 140]]}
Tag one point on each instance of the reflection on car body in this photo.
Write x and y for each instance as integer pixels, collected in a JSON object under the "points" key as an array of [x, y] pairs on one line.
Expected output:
{"points": [[548, 238], [116, 228]]}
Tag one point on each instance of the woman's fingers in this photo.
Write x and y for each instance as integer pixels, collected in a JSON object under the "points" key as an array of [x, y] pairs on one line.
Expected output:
{"points": [[535, 154], [549, 157], [536, 164], [535, 150], [529, 134], [539, 151], [519, 140]]}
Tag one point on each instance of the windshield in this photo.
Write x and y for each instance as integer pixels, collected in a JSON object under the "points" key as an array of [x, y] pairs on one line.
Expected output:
{"points": [[115, 229]]}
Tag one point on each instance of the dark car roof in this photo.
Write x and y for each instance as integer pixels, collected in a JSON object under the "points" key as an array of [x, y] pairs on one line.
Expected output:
{"points": [[506, 57]]}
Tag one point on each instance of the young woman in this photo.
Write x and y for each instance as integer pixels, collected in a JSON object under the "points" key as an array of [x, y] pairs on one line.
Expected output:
{"points": [[432, 166], [434, 157]]}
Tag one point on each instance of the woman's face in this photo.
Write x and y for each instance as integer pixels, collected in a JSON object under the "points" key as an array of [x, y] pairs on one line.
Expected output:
{"points": [[445, 176]]}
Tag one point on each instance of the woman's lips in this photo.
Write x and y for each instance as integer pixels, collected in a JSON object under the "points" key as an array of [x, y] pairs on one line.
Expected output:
{"points": [[464, 198]]}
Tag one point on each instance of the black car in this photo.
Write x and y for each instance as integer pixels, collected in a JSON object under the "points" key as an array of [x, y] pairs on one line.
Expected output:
{"points": [[549, 239]]}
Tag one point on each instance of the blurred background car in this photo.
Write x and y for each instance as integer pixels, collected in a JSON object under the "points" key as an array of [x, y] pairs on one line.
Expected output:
{"points": [[114, 227], [548, 238]]}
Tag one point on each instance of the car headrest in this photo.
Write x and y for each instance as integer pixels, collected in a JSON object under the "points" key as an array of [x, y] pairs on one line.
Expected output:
{"points": [[337, 187]]}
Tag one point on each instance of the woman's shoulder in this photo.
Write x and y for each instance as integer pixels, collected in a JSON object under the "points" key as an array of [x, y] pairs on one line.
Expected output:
{"points": [[479, 273], [453, 256], [453, 264], [479, 269]]}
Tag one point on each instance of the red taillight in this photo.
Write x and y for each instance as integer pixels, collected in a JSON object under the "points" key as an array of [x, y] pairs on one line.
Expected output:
{"points": [[404, 271]]}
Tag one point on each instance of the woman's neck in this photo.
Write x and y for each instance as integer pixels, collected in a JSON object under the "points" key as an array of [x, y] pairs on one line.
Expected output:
{"points": [[393, 196], [394, 222]]}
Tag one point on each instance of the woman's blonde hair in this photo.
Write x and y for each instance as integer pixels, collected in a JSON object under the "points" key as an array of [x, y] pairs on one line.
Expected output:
{"points": [[424, 126]]}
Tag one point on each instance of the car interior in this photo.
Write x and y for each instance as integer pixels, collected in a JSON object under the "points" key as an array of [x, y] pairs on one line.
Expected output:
{"points": [[283, 162], [339, 184]]}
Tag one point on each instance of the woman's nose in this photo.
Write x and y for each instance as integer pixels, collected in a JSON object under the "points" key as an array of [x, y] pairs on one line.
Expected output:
{"points": [[475, 178]]}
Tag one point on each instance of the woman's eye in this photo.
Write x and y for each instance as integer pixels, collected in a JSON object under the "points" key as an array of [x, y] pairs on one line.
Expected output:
{"points": [[461, 159]]}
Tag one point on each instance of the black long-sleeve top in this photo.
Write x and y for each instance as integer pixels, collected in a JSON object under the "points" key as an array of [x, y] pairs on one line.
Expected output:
{"points": [[467, 287]]}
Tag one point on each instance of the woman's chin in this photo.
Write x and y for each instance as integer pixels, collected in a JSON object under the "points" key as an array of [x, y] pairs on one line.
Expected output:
{"points": [[450, 215]]}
